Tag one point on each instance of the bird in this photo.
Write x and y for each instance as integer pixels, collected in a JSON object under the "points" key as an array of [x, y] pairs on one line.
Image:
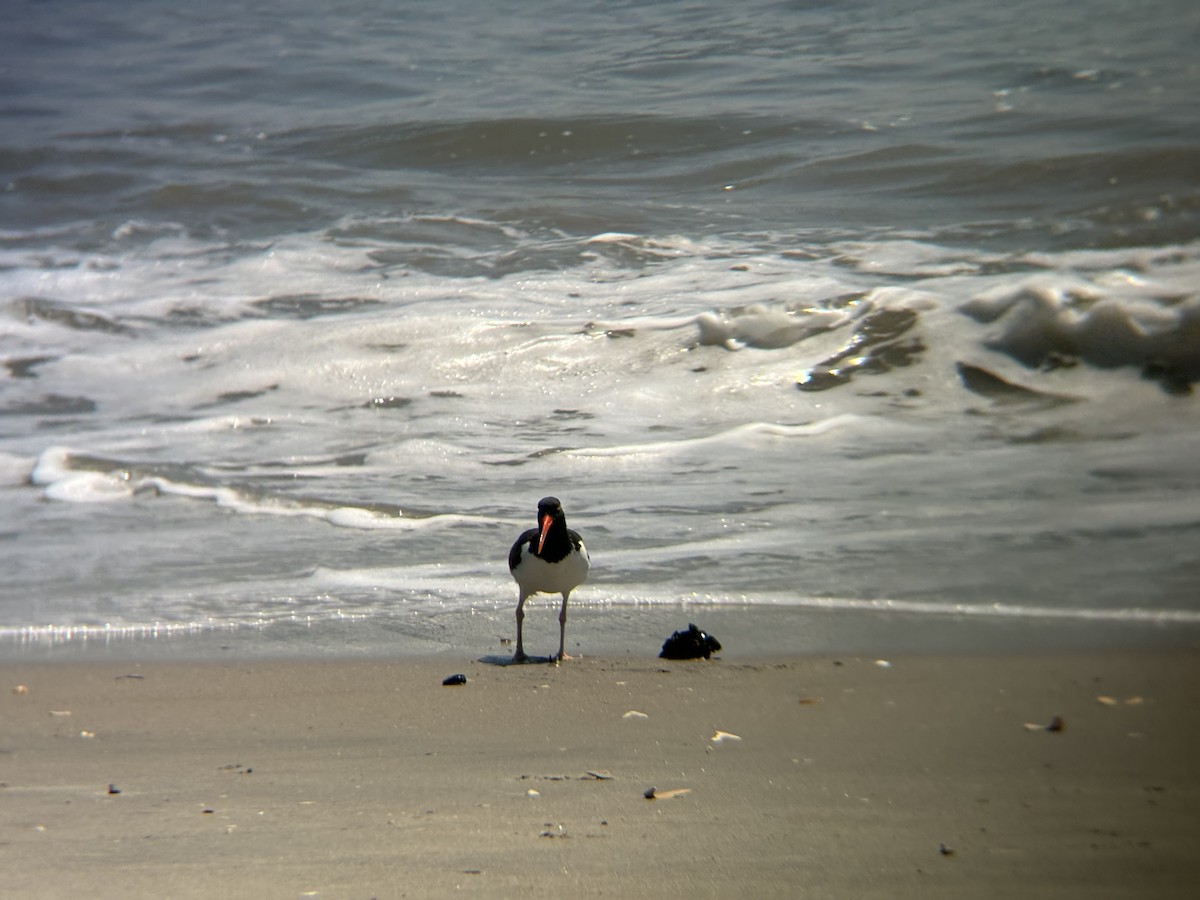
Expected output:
{"points": [[549, 559]]}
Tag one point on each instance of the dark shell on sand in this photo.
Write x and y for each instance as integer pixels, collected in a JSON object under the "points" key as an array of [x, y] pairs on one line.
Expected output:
{"points": [[690, 644]]}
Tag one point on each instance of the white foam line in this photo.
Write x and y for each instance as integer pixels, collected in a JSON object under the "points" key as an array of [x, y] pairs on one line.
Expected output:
{"points": [[60, 481], [731, 435], [108, 633], [981, 610], [348, 516], [64, 634], [611, 595]]}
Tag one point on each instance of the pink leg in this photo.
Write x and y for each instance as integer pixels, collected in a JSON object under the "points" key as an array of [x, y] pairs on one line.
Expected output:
{"points": [[562, 627], [520, 656]]}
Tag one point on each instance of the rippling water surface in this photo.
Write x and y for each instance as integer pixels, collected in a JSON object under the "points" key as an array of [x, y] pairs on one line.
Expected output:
{"points": [[829, 323]]}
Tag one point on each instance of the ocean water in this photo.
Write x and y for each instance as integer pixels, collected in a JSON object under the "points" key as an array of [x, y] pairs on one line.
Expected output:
{"points": [[835, 326]]}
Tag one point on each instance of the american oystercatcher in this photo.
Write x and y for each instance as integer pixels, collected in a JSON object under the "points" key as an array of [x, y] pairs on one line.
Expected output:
{"points": [[549, 559]]}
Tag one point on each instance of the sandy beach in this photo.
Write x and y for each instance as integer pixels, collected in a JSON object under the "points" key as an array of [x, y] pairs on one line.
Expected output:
{"points": [[801, 777]]}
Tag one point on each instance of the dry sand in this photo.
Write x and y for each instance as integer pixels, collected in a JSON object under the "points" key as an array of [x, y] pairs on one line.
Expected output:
{"points": [[370, 779]]}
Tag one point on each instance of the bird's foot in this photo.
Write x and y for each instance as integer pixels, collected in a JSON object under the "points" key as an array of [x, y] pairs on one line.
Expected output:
{"points": [[519, 656]]}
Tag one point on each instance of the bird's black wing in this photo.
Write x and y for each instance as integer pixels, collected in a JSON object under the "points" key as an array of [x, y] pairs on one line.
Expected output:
{"points": [[514, 555], [576, 539]]}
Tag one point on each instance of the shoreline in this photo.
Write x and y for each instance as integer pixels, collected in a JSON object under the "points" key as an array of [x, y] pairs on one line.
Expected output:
{"points": [[747, 632], [847, 777]]}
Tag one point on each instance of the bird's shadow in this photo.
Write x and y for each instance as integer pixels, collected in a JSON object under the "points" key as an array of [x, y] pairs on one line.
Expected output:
{"points": [[496, 659]]}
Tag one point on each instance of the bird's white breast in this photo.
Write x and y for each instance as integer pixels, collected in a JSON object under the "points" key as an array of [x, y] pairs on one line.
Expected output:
{"points": [[534, 575]]}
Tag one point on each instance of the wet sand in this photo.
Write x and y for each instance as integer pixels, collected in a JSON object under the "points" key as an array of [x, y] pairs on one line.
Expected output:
{"points": [[928, 777]]}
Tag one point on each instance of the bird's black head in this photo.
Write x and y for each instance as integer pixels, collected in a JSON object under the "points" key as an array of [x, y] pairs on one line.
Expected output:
{"points": [[549, 512]]}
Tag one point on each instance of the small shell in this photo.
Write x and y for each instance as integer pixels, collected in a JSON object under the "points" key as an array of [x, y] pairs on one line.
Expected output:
{"points": [[653, 794], [1056, 724]]}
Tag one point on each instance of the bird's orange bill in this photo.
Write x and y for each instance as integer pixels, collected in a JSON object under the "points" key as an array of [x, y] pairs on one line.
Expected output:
{"points": [[547, 521]]}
